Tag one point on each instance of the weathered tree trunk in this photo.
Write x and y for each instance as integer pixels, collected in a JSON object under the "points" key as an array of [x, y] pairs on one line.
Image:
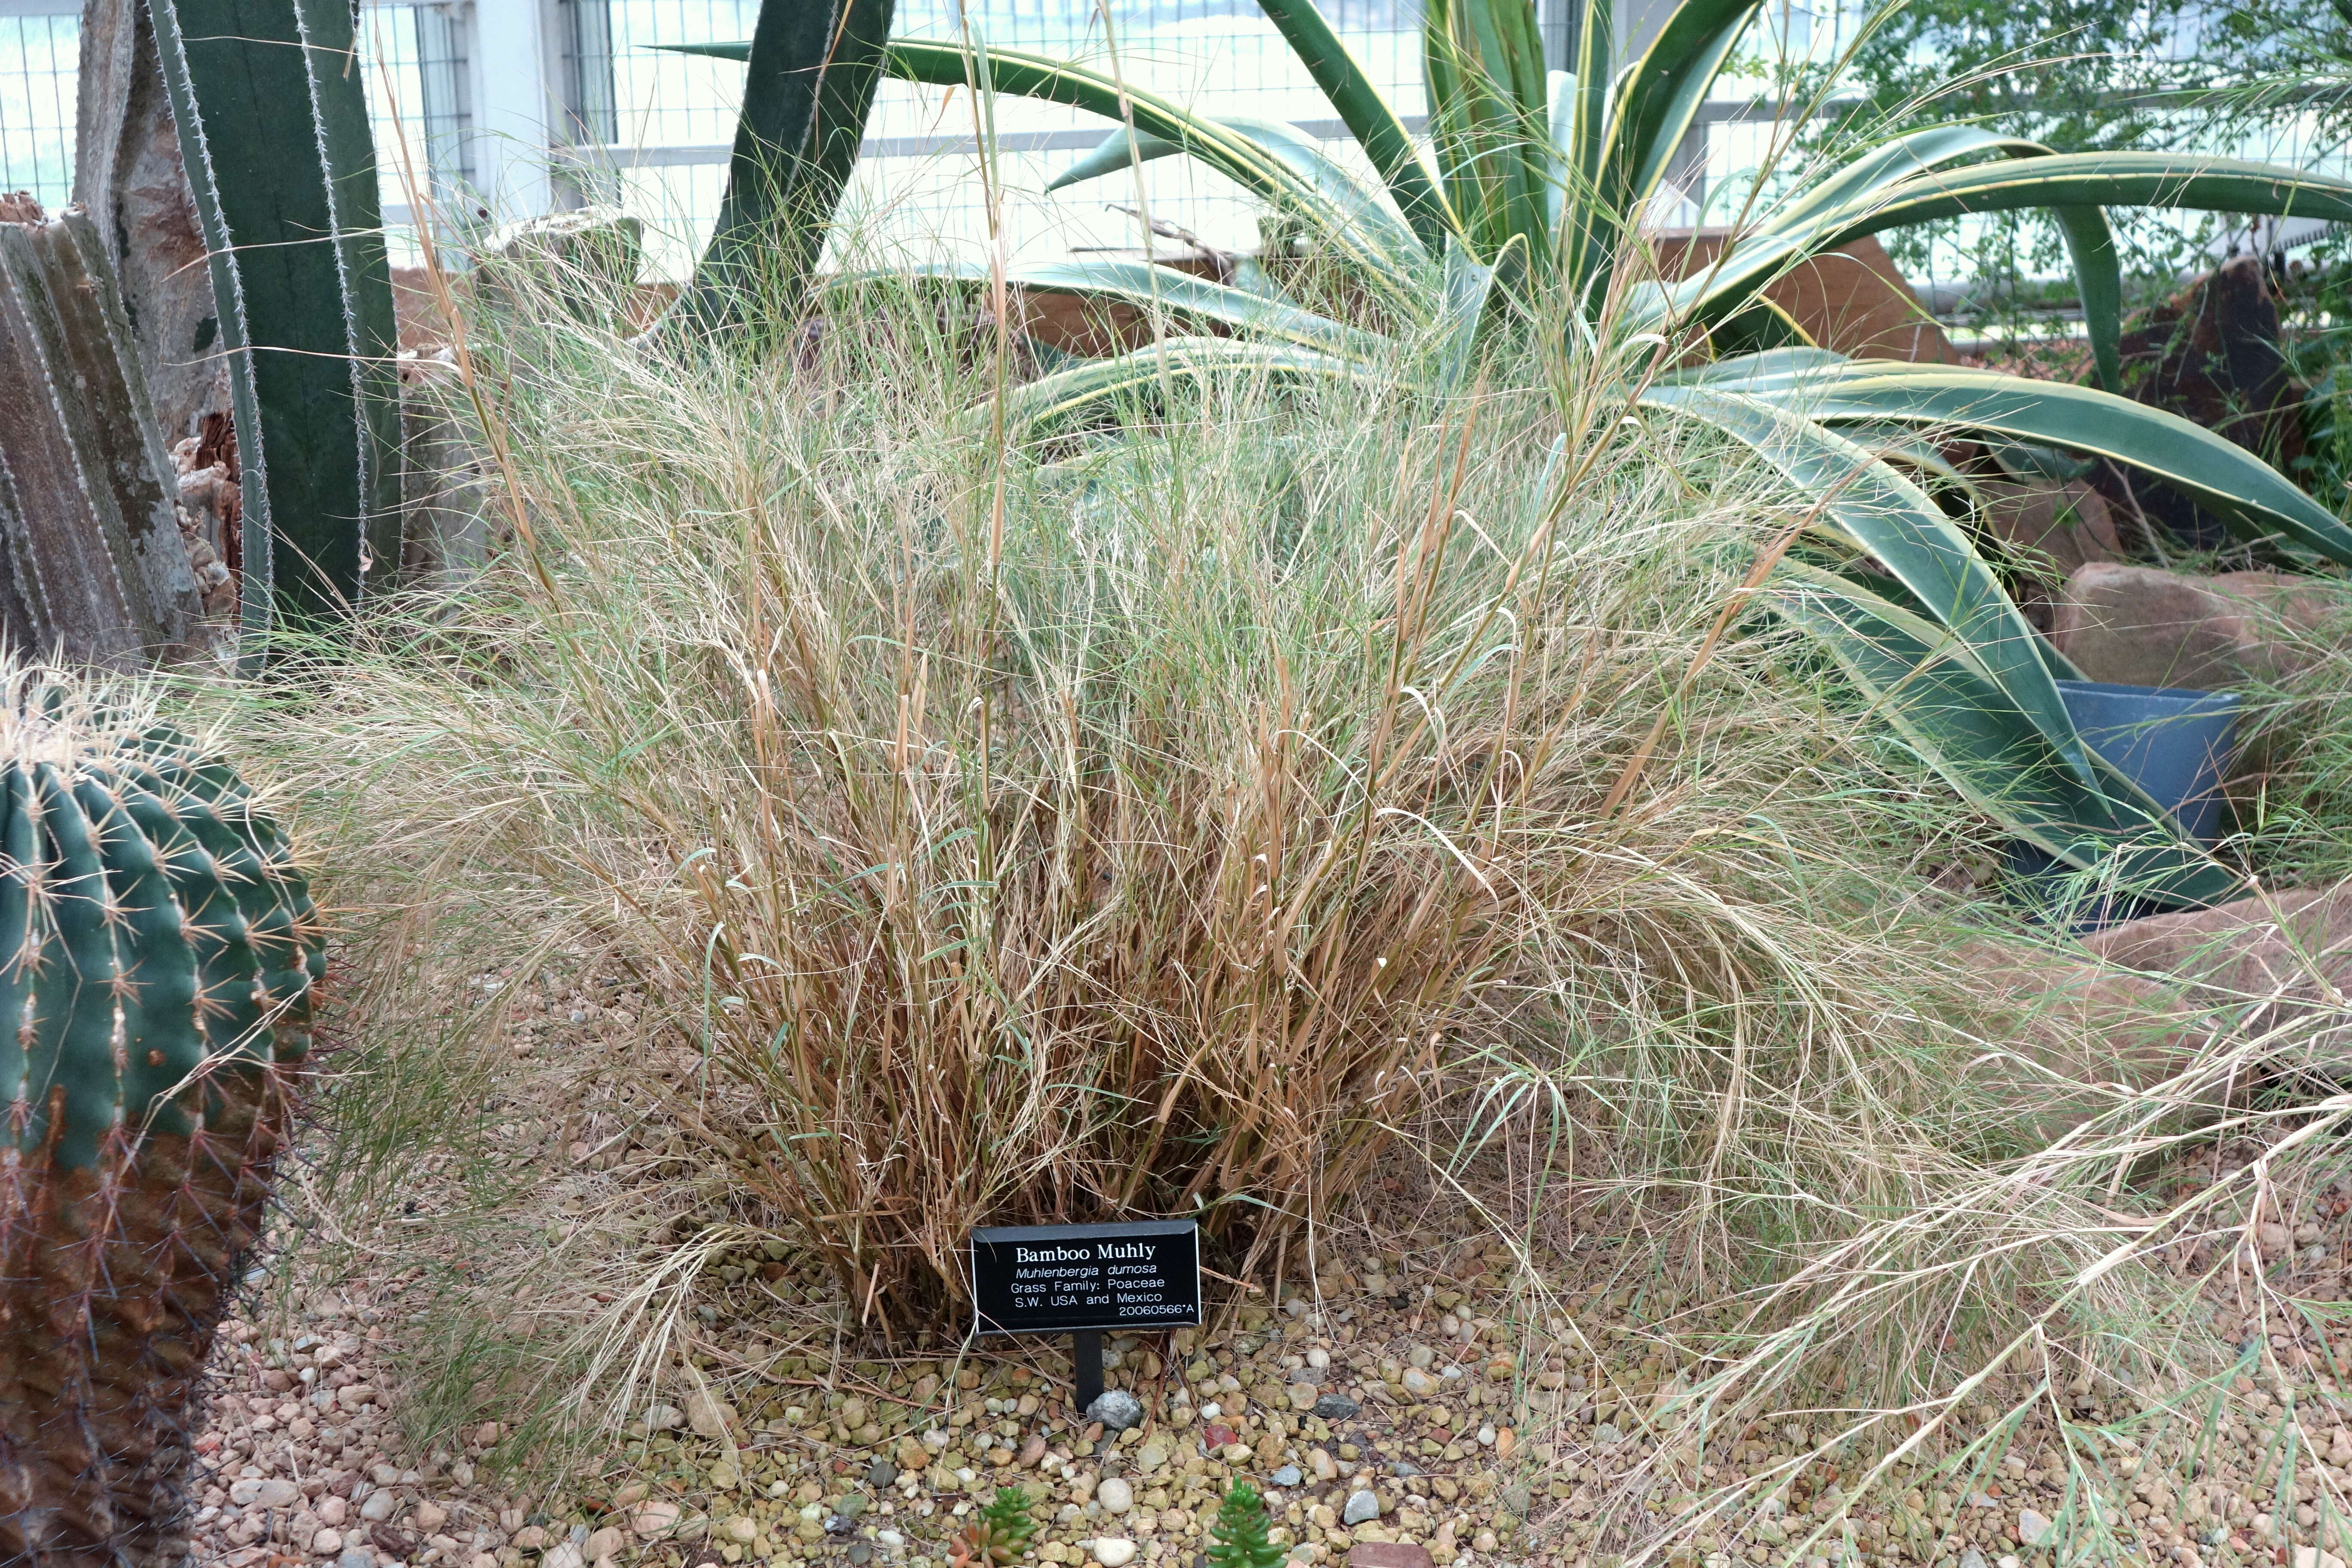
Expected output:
{"points": [[92, 565], [127, 172]]}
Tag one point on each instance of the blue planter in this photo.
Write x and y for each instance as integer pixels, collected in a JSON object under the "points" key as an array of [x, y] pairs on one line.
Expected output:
{"points": [[2172, 742]]}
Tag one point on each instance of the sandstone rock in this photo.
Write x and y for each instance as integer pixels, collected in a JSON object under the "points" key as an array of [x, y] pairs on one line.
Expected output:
{"points": [[2136, 625], [707, 1416], [2051, 526], [1389, 1554], [2260, 962]]}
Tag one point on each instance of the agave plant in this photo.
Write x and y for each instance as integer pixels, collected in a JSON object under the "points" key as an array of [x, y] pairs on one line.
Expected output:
{"points": [[1538, 190]]}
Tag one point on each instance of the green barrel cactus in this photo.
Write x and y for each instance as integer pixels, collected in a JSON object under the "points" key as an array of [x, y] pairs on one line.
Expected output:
{"points": [[160, 960]]}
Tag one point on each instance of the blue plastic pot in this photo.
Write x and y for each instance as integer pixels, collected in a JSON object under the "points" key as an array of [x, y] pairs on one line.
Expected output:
{"points": [[2171, 740]]}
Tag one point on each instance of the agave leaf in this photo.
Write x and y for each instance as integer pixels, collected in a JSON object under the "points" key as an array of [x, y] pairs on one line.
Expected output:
{"points": [[1888, 516], [1476, 297], [1961, 722], [1484, 64], [1367, 117], [1303, 153], [934, 64], [2058, 182], [1658, 100], [2226, 478], [1147, 287], [2090, 244], [1054, 402]]}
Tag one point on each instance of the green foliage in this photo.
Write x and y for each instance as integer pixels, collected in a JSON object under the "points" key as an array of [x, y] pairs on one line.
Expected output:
{"points": [[270, 99], [1538, 180], [1238, 1537]]}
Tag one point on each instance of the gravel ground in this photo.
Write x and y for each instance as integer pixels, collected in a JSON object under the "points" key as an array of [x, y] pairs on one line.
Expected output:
{"points": [[1401, 1411]]}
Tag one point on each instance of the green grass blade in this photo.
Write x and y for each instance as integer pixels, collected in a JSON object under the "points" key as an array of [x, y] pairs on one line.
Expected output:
{"points": [[2227, 479], [1897, 523], [1961, 723], [1367, 117]]}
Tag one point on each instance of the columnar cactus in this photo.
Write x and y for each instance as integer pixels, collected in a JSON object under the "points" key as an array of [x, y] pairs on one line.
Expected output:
{"points": [[160, 956]]}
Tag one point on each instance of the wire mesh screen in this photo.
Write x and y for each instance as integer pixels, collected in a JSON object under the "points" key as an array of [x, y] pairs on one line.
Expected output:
{"points": [[39, 57], [420, 103]]}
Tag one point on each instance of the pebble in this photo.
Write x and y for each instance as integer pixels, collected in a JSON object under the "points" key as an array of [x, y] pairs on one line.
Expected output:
{"points": [[562, 1554], [1972, 1558], [883, 1473], [326, 1542], [1422, 1357], [429, 1518], [1326, 1467], [1336, 1408], [1114, 1551], [1288, 1475], [356, 1557], [1363, 1506], [1318, 1358], [1606, 1433], [2031, 1527], [1116, 1409], [1115, 1495], [381, 1505], [658, 1516], [1419, 1383]]}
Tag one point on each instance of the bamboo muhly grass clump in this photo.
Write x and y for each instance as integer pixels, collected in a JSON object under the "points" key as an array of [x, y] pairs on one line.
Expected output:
{"points": [[1153, 828], [158, 959]]}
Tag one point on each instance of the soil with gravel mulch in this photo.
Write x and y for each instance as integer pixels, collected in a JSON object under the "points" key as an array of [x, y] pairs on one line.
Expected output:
{"points": [[1416, 1404]]}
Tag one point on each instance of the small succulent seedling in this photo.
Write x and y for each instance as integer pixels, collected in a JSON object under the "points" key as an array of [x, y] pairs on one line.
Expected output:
{"points": [[997, 1534], [1239, 1537]]}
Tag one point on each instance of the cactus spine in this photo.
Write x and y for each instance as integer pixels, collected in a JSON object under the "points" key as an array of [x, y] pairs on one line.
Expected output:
{"points": [[159, 960]]}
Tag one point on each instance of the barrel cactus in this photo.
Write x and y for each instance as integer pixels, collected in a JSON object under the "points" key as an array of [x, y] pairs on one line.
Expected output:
{"points": [[160, 960]]}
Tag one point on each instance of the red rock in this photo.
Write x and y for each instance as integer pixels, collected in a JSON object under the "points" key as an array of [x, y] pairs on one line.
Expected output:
{"points": [[2136, 625], [1219, 1437], [1389, 1554]]}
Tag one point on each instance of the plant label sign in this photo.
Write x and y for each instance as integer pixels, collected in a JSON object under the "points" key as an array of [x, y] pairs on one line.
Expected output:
{"points": [[1061, 1278]]}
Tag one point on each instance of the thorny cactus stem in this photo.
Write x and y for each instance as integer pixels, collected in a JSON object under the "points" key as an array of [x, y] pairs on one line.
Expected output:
{"points": [[159, 958]]}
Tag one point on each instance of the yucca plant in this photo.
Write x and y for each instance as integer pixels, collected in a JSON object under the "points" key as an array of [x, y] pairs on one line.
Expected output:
{"points": [[1540, 185], [159, 958]]}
